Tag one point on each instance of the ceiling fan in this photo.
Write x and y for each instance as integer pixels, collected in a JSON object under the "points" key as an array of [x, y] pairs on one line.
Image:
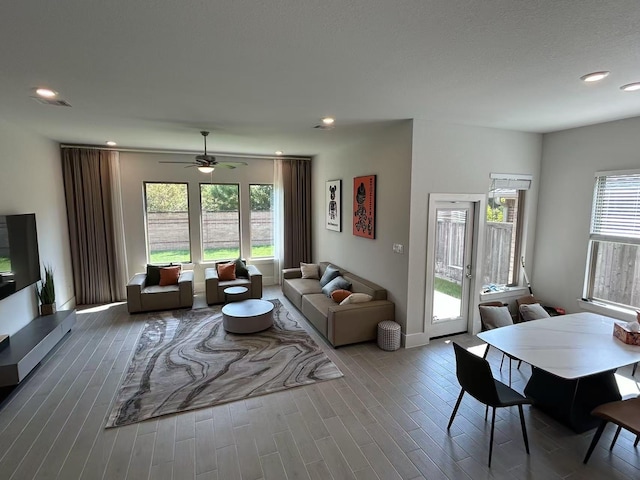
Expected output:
{"points": [[207, 163]]}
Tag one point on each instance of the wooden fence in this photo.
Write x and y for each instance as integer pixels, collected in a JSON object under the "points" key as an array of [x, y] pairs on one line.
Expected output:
{"points": [[617, 278]]}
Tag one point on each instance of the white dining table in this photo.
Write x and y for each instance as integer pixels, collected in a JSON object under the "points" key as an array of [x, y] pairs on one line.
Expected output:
{"points": [[573, 359]]}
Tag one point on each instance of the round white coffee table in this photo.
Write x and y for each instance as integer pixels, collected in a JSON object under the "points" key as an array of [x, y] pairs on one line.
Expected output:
{"points": [[247, 316], [233, 294]]}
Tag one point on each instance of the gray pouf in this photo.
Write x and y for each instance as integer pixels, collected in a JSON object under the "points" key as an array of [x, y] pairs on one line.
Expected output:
{"points": [[389, 335]]}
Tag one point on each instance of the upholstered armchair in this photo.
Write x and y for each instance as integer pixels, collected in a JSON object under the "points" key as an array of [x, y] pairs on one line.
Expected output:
{"points": [[215, 287], [143, 298]]}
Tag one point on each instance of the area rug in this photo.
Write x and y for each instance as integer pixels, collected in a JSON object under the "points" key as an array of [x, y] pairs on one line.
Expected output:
{"points": [[185, 360]]}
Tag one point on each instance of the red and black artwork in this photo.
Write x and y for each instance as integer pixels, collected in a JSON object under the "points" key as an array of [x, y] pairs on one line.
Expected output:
{"points": [[364, 206]]}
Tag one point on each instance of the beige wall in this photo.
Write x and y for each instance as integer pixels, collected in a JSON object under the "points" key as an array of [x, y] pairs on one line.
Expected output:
{"points": [[450, 158], [136, 168], [31, 182], [570, 160], [386, 153]]}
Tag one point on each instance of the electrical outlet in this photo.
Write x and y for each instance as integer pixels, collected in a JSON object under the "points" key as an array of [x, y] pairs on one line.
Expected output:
{"points": [[398, 248]]}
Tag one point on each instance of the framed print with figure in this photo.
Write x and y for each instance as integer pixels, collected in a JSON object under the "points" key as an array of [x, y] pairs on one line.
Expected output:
{"points": [[364, 206], [333, 194]]}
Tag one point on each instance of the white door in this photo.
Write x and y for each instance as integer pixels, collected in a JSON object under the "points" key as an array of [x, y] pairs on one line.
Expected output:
{"points": [[451, 269]]}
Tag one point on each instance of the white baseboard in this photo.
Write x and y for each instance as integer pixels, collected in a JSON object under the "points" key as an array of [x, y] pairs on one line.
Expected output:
{"points": [[415, 340]]}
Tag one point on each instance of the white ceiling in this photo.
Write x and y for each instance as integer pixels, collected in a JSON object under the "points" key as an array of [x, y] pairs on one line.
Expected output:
{"points": [[260, 74]]}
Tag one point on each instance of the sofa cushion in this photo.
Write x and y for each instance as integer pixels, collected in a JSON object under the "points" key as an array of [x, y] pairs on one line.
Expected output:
{"points": [[339, 295], [153, 274], [169, 276], [360, 285], [241, 268], [304, 286], [356, 298], [329, 274], [226, 271], [338, 283], [315, 307], [157, 289], [310, 270], [533, 311]]}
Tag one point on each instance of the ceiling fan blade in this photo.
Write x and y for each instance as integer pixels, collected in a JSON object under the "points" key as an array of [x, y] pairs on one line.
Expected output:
{"points": [[179, 163], [231, 164]]}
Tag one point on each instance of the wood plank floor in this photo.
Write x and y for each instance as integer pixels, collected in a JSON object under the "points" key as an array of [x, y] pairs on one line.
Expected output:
{"points": [[385, 419]]}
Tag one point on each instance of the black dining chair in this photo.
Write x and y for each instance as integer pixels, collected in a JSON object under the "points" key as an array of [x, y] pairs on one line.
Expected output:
{"points": [[475, 378]]}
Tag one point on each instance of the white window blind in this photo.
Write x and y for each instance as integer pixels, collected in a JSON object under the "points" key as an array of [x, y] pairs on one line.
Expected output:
{"points": [[616, 207]]}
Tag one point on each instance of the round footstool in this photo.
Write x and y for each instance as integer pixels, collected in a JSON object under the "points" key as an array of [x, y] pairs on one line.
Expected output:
{"points": [[247, 316], [389, 335]]}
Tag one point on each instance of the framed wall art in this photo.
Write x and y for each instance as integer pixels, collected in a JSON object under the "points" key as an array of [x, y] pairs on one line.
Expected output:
{"points": [[333, 195], [364, 206]]}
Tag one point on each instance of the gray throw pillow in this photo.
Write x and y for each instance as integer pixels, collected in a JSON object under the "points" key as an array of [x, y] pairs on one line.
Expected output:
{"points": [[338, 283], [241, 268], [329, 274], [495, 317], [533, 311]]}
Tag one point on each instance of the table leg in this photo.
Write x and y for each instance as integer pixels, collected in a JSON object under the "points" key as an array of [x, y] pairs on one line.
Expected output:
{"points": [[571, 401]]}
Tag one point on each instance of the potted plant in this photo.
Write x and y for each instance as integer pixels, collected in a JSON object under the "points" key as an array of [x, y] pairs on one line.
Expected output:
{"points": [[46, 292]]}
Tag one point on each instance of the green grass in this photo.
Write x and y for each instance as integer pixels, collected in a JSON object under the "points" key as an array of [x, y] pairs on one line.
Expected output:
{"points": [[210, 254], [448, 288], [5, 264]]}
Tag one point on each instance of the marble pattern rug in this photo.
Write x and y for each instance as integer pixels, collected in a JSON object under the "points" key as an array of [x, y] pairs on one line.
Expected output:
{"points": [[185, 360]]}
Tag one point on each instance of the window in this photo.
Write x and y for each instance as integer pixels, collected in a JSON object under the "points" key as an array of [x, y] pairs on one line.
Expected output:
{"points": [[220, 208], [504, 229], [261, 217], [167, 222], [613, 263]]}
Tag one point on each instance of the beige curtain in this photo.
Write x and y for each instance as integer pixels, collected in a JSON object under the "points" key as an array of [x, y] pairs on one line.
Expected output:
{"points": [[296, 185], [89, 184]]}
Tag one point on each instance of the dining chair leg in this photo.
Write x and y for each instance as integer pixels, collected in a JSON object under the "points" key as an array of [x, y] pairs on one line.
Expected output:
{"points": [[486, 412], [594, 442], [455, 409], [501, 362], [493, 423], [509, 371], [635, 444], [615, 437], [524, 429], [635, 366], [486, 351], [519, 363]]}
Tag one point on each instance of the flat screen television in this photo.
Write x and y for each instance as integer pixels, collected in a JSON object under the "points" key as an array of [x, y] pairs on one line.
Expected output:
{"points": [[19, 257]]}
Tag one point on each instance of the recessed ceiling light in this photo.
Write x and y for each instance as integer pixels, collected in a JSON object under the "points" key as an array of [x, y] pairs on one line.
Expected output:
{"points": [[328, 120], [206, 169], [46, 92], [631, 87], [594, 76], [278, 152], [111, 143]]}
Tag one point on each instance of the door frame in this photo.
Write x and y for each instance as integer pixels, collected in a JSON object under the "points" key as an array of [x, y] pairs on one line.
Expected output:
{"points": [[479, 201]]}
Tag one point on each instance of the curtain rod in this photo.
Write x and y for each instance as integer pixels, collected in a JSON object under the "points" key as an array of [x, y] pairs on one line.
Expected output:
{"points": [[186, 152]]}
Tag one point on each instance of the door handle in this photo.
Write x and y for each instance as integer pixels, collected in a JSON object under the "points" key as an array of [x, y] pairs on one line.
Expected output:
{"points": [[468, 274]]}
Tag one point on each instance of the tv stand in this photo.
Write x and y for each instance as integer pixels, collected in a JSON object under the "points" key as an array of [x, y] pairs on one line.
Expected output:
{"points": [[31, 344]]}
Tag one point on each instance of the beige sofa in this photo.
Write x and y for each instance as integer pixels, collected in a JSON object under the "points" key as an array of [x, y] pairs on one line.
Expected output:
{"points": [[214, 288], [141, 298], [340, 325]]}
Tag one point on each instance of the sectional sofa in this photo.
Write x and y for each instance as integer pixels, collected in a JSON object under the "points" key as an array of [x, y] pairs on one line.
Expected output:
{"points": [[339, 324]]}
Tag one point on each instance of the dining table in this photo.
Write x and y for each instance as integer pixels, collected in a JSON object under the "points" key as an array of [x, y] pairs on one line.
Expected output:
{"points": [[573, 360]]}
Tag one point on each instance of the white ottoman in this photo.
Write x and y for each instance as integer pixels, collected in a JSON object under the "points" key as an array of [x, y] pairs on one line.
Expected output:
{"points": [[389, 335], [247, 316]]}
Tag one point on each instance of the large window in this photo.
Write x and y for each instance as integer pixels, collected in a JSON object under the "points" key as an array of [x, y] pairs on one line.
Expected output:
{"points": [[261, 199], [220, 208], [504, 231], [614, 240], [167, 222]]}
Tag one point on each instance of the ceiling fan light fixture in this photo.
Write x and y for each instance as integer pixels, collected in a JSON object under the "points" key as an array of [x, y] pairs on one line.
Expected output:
{"points": [[595, 76], [328, 120], [204, 169], [630, 87]]}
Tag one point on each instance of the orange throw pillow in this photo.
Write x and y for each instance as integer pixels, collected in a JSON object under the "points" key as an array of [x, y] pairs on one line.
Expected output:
{"points": [[169, 276], [227, 271], [339, 295]]}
